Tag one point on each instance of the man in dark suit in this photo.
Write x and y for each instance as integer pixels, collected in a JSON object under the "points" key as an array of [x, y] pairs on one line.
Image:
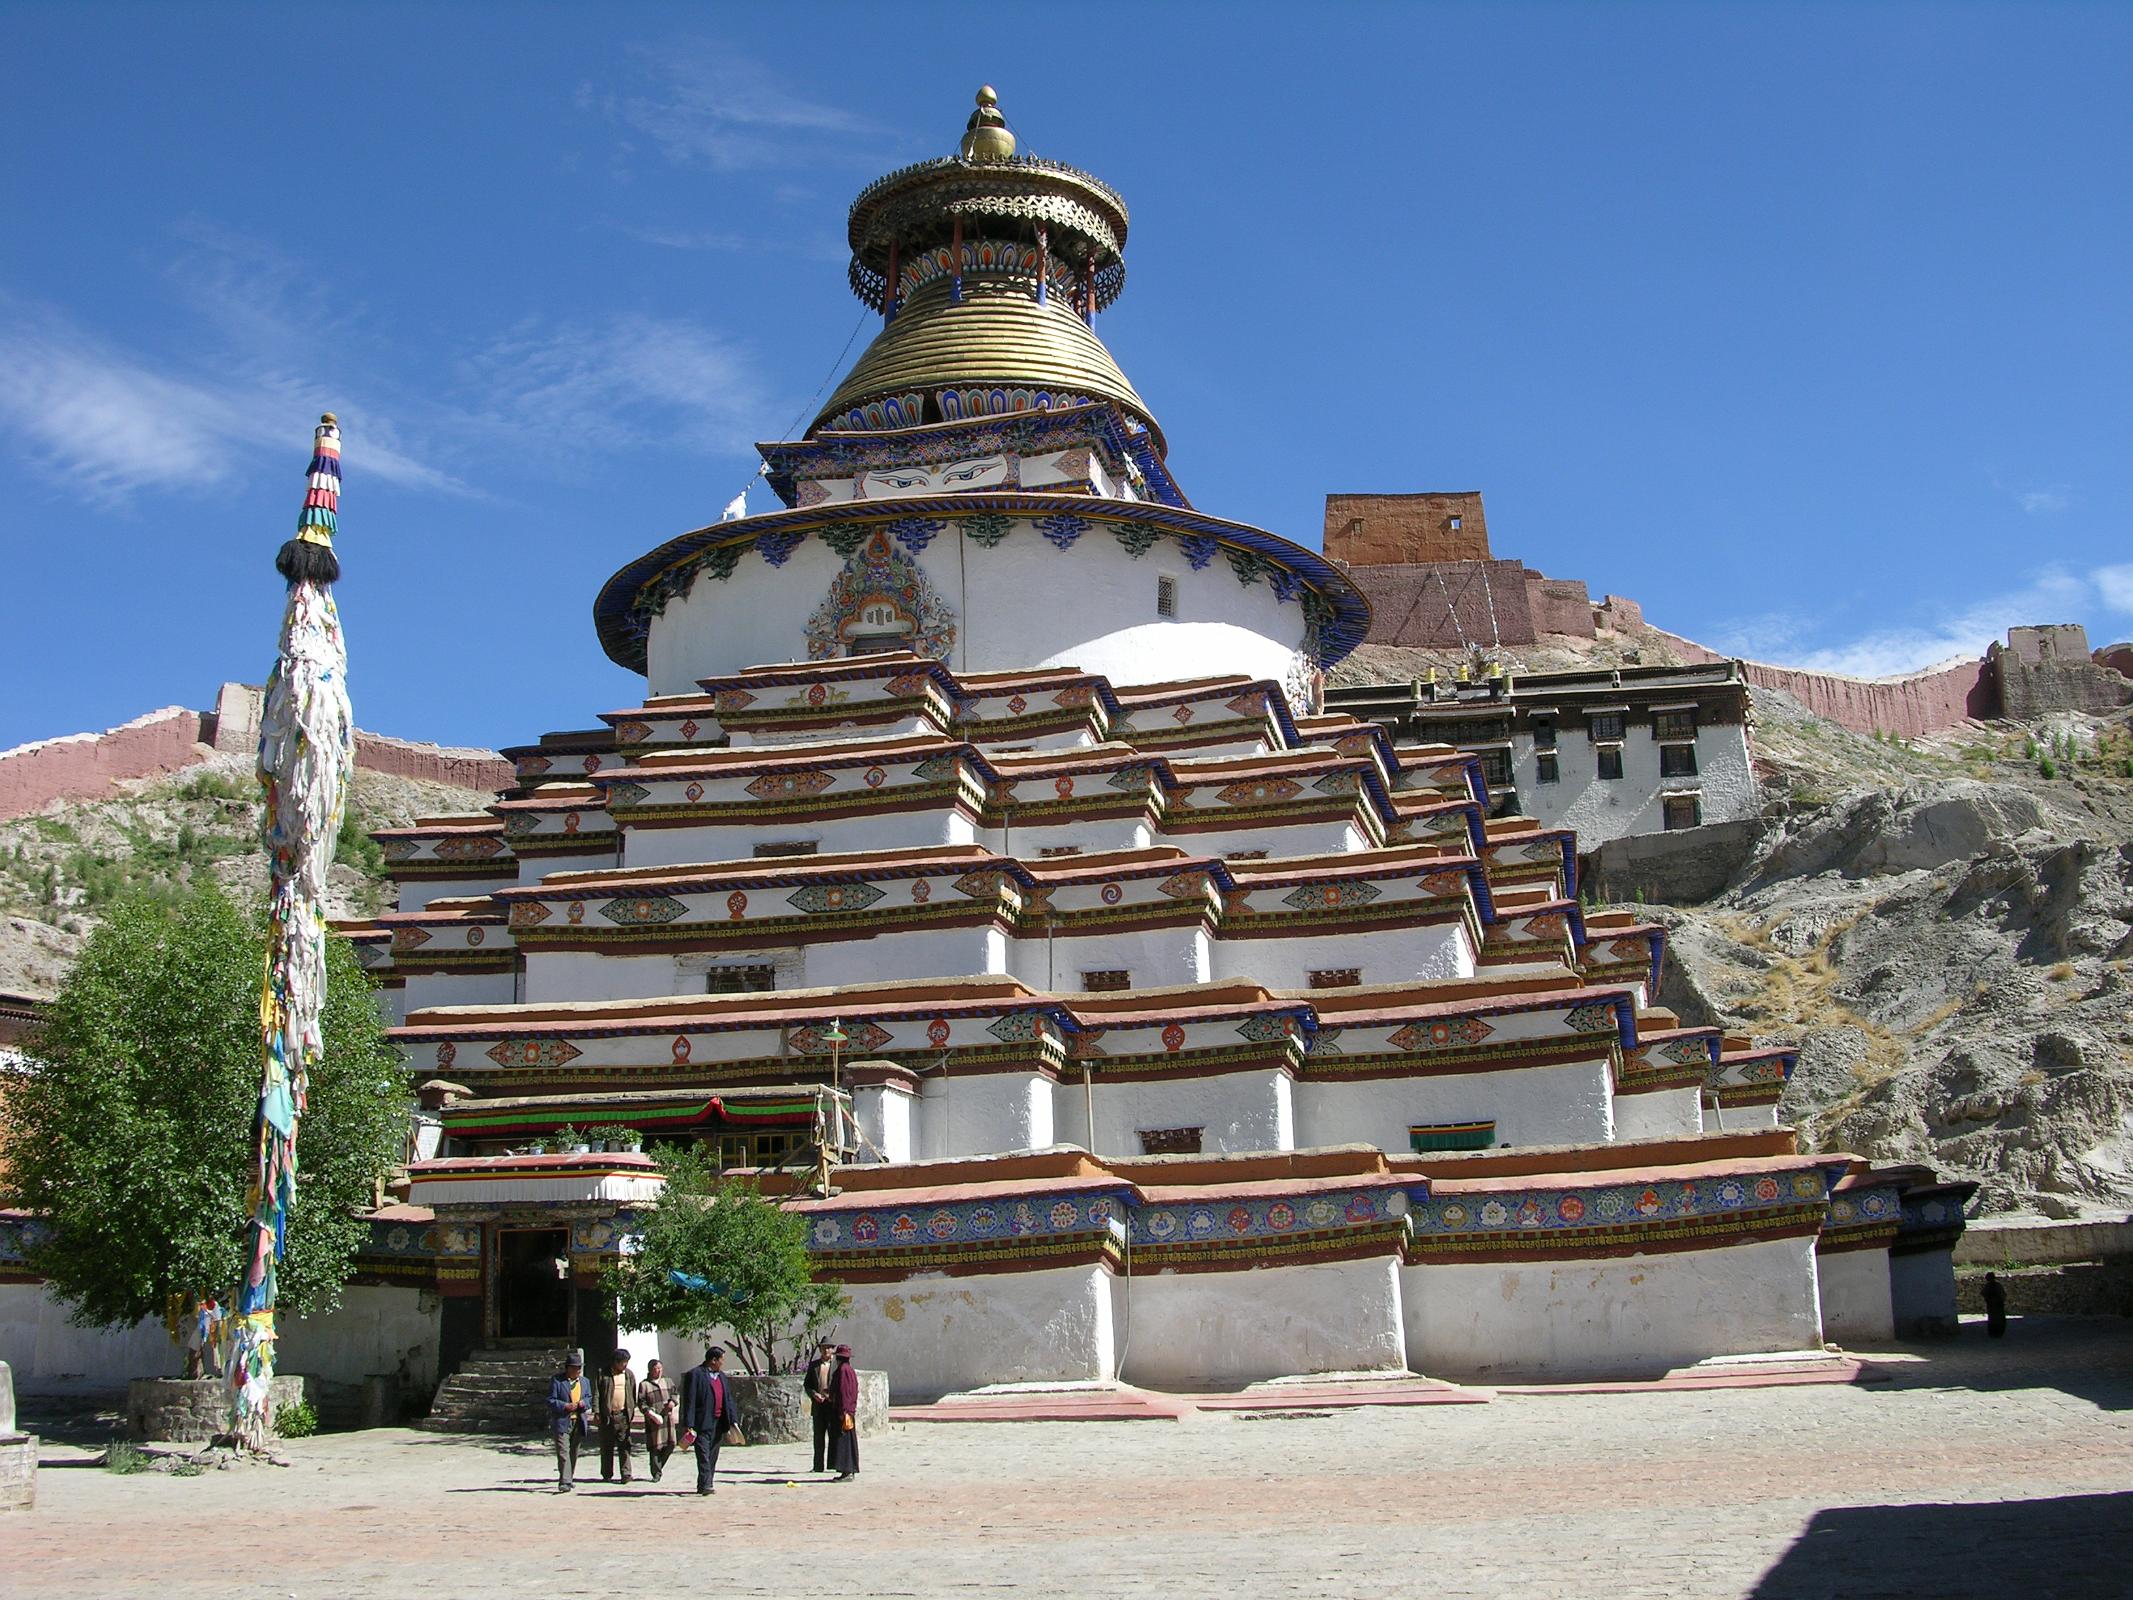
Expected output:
{"points": [[567, 1407], [707, 1410], [821, 1404]]}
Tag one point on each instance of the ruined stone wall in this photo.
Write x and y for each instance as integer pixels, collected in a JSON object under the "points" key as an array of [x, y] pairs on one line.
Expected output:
{"points": [[1559, 605], [1403, 529], [2034, 687], [1922, 702], [84, 765], [1446, 604], [404, 758]]}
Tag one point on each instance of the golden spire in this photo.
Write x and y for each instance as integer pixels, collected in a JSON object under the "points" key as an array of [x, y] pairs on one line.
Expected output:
{"points": [[987, 137]]}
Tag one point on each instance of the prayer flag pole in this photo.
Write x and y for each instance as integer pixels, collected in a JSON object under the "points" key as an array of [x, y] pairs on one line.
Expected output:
{"points": [[306, 747]]}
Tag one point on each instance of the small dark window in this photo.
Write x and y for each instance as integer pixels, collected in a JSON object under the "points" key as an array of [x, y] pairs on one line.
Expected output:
{"points": [[1336, 977], [1546, 769], [1050, 851], [1683, 811], [1496, 768], [1456, 520], [1166, 597], [1245, 855], [1106, 980], [760, 978], [1469, 730], [876, 644], [1610, 760], [1170, 1141], [1605, 725], [756, 1149], [1677, 761], [1543, 733], [787, 847], [1674, 724]]}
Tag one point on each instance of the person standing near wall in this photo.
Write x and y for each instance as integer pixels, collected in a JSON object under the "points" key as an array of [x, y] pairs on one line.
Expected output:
{"points": [[844, 1438], [1995, 1306], [821, 1403]]}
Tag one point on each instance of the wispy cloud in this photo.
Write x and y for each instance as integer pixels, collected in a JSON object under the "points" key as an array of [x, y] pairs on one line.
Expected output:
{"points": [[812, 247], [705, 105], [621, 383], [2056, 594], [2044, 502]]}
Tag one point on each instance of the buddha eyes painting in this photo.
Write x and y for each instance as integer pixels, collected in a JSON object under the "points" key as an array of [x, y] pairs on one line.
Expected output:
{"points": [[886, 483]]}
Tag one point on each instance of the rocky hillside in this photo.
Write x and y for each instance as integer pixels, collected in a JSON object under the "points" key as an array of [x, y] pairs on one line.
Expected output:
{"points": [[58, 868], [1946, 929]]}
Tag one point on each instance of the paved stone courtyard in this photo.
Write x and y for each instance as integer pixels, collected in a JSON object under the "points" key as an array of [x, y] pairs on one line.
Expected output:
{"points": [[1965, 1469]]}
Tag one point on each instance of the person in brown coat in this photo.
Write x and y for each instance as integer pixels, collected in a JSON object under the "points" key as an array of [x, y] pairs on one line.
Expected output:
{"points": [[844, 1438], [661, 1409]]}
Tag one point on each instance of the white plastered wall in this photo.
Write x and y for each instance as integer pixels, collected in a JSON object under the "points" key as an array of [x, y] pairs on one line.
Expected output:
{"points": [[1384, 955], [1613, 808], [1236, 1111], [884, 830], [1612, 1317], [936, 1334], [1197, 1330], [415, 894], [1858, 1307], [885, 1113], [532, 869], [1569, 1104], [1156, 957], [985, 1113], [426, 989], [1922, 1288], [1658, 1114]]}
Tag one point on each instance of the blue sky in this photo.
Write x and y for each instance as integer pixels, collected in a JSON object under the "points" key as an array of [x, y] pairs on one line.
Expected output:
{"points": [[1807, 326]]}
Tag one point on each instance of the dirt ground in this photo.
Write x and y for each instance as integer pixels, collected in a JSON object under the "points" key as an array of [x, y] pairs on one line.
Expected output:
{"points": [[1968, 1468]]}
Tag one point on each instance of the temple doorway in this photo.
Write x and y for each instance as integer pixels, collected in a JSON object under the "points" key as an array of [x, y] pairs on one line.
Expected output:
{"points": [[533, 1295]]}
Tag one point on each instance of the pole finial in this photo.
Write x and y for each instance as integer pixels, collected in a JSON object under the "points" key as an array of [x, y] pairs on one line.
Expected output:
{"points": [[309, 557]]}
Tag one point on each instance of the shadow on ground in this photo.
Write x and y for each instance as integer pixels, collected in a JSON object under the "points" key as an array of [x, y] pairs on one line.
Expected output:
{"points": [[2089, 1357], [2077, 1547]]}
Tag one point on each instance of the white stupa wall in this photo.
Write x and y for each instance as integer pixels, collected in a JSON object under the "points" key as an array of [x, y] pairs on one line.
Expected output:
{"points": [[1199, 1330], [1659, 1114], [1530, 1105], [1155, 957], [1010, 609], [1858, 1307], [938, 1334], [1611, 1316], [1235, 1111], [1383, 955], [985, 1113]]}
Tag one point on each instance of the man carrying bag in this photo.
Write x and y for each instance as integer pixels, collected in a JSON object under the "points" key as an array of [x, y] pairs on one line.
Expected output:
{"points": [[708, 1415]]}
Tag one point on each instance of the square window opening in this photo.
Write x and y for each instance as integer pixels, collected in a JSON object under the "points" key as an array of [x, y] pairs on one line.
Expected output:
{"points": [[1336, 977], [1547, 769], [1166, 597], [1610, 761], [1170, 1141], [1106, 980], [1677, 761]]}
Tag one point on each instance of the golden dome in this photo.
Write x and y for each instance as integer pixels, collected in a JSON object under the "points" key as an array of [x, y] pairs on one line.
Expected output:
{"points": [[998, 335], [987, 137]]}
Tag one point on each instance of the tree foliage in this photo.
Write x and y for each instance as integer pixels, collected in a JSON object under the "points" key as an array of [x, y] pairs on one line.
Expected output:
{"points": [[750, 1254], [132, 1137]]}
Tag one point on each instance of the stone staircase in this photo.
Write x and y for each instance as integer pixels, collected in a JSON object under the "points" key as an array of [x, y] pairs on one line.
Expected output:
{"points": [[495, 1391]]}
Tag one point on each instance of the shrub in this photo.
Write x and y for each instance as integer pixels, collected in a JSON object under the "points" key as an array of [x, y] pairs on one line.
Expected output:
{"points": [[296, 1420], [124, 1457]]}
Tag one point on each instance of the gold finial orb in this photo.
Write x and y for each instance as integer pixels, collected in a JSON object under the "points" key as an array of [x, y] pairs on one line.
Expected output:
{"points": [[987, 137], [330, 417]]}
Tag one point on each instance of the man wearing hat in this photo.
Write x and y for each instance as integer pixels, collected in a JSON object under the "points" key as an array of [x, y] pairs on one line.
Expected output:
{"points": [[567, 1407], [615, 1407], [707, 1411], [821, 1404], [844, 1435]]}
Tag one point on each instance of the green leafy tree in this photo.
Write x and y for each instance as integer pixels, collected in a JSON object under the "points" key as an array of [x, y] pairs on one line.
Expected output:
{"points": [[132, 1136], [742, 1265]]}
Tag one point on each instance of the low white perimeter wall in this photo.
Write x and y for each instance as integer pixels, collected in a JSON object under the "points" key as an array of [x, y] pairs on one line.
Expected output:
{"points": [[1658, 1114], [1530, 1105], [376, 1330], [935, 1334], [1197, 1330], [1857, 1305], [1616, 1317]]}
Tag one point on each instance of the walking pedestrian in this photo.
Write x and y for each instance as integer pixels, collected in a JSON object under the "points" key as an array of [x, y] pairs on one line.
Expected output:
{"points": [[821, 1403], [1995, 1307], [615, 1408], [707, 1411], [566, 1418], [844, 1438], [661, 1411]]}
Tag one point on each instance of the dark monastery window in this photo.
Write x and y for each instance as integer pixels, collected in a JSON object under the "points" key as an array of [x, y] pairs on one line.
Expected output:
{"points": [[756, 978], [1166, 597], [876, 644], [756, 1149], [1053, 850], [1609, 757], [1605, 725], [1496, 768], [1683, 811], [1677, 761], [1106, 980], [1546, 769], [1543, 733], [1170, 1141], [1335, 977], [1674, 724], [787, 847], [1244, 855]]}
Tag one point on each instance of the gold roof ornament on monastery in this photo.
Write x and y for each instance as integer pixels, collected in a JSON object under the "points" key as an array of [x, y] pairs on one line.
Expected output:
{"points": [[988, 268]]}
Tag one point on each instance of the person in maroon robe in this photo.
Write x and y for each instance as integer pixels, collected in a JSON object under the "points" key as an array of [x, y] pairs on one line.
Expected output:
{"points": [[844, 1439]]}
